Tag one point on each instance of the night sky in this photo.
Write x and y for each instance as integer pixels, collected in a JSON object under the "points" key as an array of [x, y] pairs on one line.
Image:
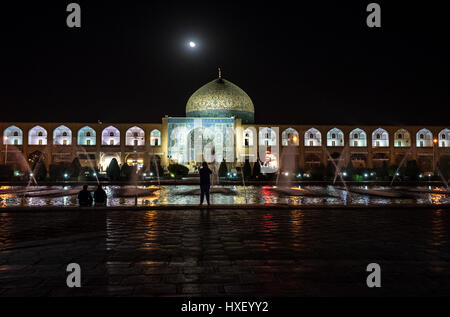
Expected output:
{"points": [[300, 63]]}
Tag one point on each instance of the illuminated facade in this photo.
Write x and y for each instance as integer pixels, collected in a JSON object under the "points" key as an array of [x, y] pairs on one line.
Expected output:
{"points": [[219, 125]]}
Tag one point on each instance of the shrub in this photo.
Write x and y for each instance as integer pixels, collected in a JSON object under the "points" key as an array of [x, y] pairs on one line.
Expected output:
{"points": [[178, 170], [247, 169], [256, 170], [223, 169], [113, 170]]}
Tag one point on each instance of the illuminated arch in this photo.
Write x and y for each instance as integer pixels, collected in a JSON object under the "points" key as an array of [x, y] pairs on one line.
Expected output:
{"points": [[37, 136], [86, 136], [155, 138], [290, 137], [358, 138], [424, 138], [111, 136], [13, 136], [380, 138], [402, 138], [62, 135], [335, 137], [313, 137], [135, 136]]}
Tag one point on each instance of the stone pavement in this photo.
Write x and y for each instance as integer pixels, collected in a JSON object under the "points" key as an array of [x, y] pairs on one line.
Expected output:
{"points": [[225, 252]]}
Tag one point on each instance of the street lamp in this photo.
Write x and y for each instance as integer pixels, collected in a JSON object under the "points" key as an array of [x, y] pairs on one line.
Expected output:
{"points": [[435, 141], [6, 147]]}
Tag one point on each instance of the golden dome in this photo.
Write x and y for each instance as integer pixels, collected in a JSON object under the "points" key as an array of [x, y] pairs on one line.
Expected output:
{"points": [[221, 98]]}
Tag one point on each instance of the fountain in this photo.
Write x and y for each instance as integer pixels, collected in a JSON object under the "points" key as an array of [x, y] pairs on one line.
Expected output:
{"points": [[286, 172], [91, 165], [401, 164]]}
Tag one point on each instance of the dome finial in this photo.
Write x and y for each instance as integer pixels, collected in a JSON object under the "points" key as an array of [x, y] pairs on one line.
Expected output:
{"points": [[220, 74]]}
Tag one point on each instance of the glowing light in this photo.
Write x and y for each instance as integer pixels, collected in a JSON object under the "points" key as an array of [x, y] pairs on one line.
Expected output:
{"points": [[192, 44], [366, 175], [65, 175], [435, 140], [31, 174], [286, 174], [95, 174], [345, 173]]}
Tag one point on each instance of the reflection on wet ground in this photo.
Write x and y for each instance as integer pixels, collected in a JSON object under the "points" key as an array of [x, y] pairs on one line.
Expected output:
{"points": [[226, 252], [182, 194]]}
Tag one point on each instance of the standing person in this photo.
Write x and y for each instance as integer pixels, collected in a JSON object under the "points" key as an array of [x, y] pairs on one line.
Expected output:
{"points": [[205, 182], [85, 197], [100, 196]]}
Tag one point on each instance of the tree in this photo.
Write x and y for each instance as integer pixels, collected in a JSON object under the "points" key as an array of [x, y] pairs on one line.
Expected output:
{"points": [[155, 166], [178, 170], [41, 171], [318, 172], [247, 169], [55, 171], [382, 172], [412, 170], [330, 170], [113, 170], [392, 170], [350, 170], [256, 170], [126, 171], [223, 169], [75, 168], [6, 172]]}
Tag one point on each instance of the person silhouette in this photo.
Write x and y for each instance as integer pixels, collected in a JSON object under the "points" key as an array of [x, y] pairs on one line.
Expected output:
{"points": [[205, 182], [100, 196], [85, 197]]}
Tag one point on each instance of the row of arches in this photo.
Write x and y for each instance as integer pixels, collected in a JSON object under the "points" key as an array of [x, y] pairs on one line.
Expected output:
{"points": [[87, 136], [357, 138]]}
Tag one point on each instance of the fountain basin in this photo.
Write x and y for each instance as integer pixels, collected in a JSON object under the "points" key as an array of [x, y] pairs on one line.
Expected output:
{"points": [[132, 191], [295, 191], [212, 190]]}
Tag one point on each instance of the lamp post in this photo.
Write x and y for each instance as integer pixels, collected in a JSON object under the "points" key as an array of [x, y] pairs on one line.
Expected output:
{"points": [[6, 148], [435, 141]]}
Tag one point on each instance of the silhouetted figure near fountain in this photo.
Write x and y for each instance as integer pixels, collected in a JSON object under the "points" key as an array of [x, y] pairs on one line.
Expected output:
{"points": [[205, 182], [85, 197], [100, 196]]}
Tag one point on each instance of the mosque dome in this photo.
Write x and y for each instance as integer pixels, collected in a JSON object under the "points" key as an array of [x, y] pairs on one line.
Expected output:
{"points": [[221, 98]]}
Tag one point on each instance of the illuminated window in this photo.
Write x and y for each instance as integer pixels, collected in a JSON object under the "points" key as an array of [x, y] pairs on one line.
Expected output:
{"points": [[155, 138], [110, 133], [16, 142], [86, 136]]}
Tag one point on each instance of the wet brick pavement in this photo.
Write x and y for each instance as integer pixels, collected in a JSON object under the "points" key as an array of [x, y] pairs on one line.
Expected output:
{"points": [[225, 252]]}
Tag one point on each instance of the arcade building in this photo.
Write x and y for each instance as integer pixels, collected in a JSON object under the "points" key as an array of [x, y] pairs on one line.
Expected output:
{"points": [[219, 126]]}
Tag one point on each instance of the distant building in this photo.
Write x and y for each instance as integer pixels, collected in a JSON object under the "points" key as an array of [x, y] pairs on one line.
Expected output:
{"points": [[219, 125]]}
